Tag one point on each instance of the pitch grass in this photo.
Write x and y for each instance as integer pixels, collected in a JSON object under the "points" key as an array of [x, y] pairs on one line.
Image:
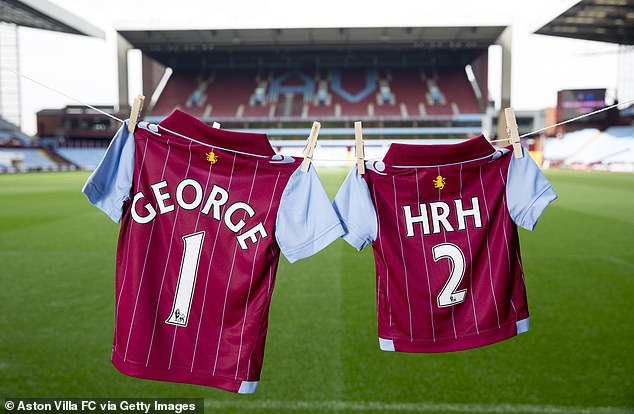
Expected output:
{"points": [[57, 296]]}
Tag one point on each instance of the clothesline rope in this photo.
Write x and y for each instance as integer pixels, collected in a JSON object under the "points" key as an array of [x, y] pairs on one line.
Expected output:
{"points": [[568, 120], [64, 95], [183, 136]]}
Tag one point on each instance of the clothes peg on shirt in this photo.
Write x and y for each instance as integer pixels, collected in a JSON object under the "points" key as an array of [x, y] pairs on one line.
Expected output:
{"points": [[359, 148], [135, 112], [513, 132], [310, 146]]}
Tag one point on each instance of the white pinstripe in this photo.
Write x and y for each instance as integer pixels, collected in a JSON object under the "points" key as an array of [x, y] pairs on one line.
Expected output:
{"points": [[195, 226], [211, 257], [147, 251], [475, 316], [169, 253], [127, 253], [387, 270], [378, 292], [486, 206], [422, 241], [255, 255], [519, 262], [246, 306], [224, 307], [444, 233], [271, 275], [204, 293], [506, 243], [205, 191], [409, 307], [233, 262]]}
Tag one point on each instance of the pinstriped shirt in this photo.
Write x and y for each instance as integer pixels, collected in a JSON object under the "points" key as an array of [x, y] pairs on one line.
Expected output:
{"points": [[202, 229], [442, 221]]}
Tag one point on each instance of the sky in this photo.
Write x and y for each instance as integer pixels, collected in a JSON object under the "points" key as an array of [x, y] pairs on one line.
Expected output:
{"points": [[86, 68]]}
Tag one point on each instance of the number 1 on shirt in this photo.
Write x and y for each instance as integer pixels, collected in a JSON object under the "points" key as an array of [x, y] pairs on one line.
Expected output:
{"points": [[186, 279]]}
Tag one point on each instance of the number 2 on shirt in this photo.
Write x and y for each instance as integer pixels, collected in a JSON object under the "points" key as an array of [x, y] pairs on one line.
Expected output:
{"points": [[448, 295]]}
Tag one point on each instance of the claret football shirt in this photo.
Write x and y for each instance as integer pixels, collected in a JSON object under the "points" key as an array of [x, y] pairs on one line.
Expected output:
{"points": [[442, 221], [202, 227]]}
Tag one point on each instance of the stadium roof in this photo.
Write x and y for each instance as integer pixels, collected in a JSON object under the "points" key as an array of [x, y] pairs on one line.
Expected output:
{"points": [[234, 48], [42, 14], [609, 21], [318, 38]]}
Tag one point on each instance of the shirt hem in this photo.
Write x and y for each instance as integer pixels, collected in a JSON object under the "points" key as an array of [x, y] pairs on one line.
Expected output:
{"points": [[317, 244], [352, 236], [506, 331], [97, 197], [530, 218], [136, 370]]}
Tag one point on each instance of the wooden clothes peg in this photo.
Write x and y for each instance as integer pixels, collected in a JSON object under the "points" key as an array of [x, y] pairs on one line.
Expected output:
{"points": [[135, 112], [359, 148], [310, 146], [513, 132]]}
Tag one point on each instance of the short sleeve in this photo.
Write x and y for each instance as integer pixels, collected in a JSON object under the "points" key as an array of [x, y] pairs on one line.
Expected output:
{"points": [[528, 191], [108, 187], [354, 207], [306, 221]]}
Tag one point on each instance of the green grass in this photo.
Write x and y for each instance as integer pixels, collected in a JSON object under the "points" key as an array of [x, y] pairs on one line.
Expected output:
{"points": [[57, 296]]}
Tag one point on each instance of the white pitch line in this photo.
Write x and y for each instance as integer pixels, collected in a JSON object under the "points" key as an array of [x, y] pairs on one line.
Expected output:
{"points": [[413, 407], [618, 261]]}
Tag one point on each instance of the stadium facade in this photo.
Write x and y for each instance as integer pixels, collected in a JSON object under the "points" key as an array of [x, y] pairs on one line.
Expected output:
{"points": [[412, 77], [427, 81]]}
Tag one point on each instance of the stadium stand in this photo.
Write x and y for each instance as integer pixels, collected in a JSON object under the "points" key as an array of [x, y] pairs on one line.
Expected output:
{"points": [[614, 143], [8, 160], [559, 149], [622, 132], [409, 90], [33, 159], [460, 96], [176, 92], [300, 93], [11, 135], [589, 148], [84, 158]]}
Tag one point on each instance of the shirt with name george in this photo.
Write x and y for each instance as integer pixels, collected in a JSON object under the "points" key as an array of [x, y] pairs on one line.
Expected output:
{"points": [[202, 227]]}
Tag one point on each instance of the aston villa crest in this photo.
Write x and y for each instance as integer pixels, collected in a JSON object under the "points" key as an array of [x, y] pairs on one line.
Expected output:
{"points": [[211, 157], [439, 182]]}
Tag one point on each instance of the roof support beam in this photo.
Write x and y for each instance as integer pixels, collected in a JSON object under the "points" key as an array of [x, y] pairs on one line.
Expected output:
{"points": [[122, 68], [506, 41]]}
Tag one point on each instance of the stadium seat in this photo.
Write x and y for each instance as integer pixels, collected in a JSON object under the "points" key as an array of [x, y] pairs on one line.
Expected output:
{"points": [[589, 147], [85, 158], [309, 92], [559, 149], [33, 159]]}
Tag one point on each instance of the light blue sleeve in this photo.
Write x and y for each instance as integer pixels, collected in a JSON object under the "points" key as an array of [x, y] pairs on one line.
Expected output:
{"points": [[306, 221], [108, 187], [528, 191], [356, 211]]}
